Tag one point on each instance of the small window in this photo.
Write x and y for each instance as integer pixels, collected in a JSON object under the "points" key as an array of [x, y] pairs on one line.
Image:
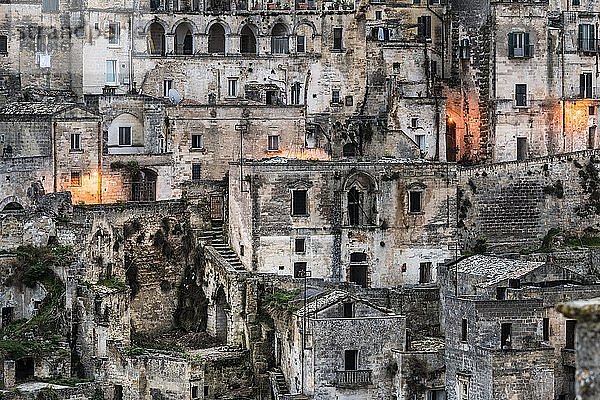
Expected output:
{"points": [[114, 33], [592, 137], [242, 250], [585, 85], [111, 71], [167, 86], [592, 110], [350, 360], [232, 87], [337, 39], [420, 140], [335, 96], [463, 387], [273, 143], [197, 141], [464, 330], [414, 201], [3, 44], [546, 329], [194, 392], [576, 3], [349, 310], [519, 46], [296, 93], [124, 136], [425, 272], [300, 44], [196, 172], [300, 245], [75, 178], [522, 149], [205, 390], [300, 270], [49, 5], [378, 14], [75, 141], [424, 27], [299, 202], [396, 68], [505, 335], [465, 49], [587, 37], [570, 334], [414, 122], [514, 283], [521, 95]]}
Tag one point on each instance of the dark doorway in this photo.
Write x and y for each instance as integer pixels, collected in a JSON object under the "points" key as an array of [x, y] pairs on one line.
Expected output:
{"points": [[216, 208], [451, 148], [8, 314], [221, 308], [354, 207], [156, 39], [521, 149], [570, 334], [118, 392], [143, 186], [350, 360], [24, 369], [216, 39], [358, 269], [506, 336], [247, 41]]}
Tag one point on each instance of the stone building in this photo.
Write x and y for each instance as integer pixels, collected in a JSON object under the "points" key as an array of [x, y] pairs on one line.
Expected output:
{"points": [[501, 323]]}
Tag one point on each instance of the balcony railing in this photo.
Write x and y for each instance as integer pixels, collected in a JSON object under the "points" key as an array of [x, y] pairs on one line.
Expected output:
{"points": [[588, 45], [353, 378]]}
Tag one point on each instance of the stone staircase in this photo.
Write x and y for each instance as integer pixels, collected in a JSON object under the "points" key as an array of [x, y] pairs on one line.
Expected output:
{"points": [[280, 387], [214, 238]]}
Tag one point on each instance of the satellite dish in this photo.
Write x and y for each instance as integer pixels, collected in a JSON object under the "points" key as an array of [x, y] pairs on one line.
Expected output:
{"points": [[174, 96]]}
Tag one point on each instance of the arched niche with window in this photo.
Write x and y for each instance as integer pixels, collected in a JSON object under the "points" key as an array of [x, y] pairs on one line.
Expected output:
{"points": [[304, 34], [125, 135], [248, 40], [184, 39], [280, 39], [156, 39], [216, 39], [360, 200]]}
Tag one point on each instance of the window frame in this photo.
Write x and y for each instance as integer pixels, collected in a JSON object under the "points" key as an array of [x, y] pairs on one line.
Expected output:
{"points": [[586, 85], [411, 209], [232, 87], [123, 142], [196, 172], [3, 45], [300, 44], [197, 141], [521, 98], [586, 37], [115, 72], [338, 39], [75, 141], [336, 97], [300, 245], [54, 5], [114, 35], [425, 272], [297, 210], [348, 355], [273, 143], [167, 86], [519, 45], [75, 179]]}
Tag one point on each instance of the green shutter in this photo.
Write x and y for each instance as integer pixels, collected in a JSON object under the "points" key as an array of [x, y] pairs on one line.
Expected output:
{"points": [[511, 44], [528, 50]]}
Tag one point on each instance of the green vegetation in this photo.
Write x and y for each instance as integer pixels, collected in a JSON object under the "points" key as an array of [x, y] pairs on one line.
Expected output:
{"points": [[546, 246], [282, 300], [134, 351], [133, 167], [113, 283]]}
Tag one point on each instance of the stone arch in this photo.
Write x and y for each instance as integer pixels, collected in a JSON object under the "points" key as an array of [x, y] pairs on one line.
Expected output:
{"points": [[143, 185], [222, 309], [156, 38], [11, 203], [126, 131], [305, 29], [184, 37], [248, 41], [216, 38], [218, 21], [280, 38], [305, 22]]}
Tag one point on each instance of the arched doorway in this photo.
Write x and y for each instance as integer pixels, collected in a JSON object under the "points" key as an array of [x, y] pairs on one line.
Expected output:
{"points": [[216, 39], [279, 39], [156, 39], [221, 315], [247, 41], [184, 39], [451, 148], [143, 185]]}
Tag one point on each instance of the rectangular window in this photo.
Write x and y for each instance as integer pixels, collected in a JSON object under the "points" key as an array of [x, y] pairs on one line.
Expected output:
{"points": [[576, 2], [592, 137], [273, 143], [505, 335], [414, 201], [124, 136], [521, 95], [232, 85], [114, 33], [280, 45], [194, 392], [424, 27], [75, 141], [546, 329], [348, 101], [463, 388], [436, 394], [587, 37], [464, 330], [348, 310], [205, 391], [420, 139], [296, 93], [337, 39], [111, 72], [3, 44], [378, 14], [197, 141], [299, 202], [522, 149], [300, 245], [414, 122], [167, 86], [118, 392], [299, 270], [335, 96], [49, 5], [585, 85], [350, 360], [196, 172], [519, 45], [300, 44], [425, 272], [570, 334], [75, 178]]}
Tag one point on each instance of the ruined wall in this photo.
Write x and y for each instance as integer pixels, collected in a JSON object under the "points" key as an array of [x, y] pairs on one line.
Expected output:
{"points": [[515, 204]]}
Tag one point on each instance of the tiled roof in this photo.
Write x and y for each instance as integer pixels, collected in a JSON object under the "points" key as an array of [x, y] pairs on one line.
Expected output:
{"points": [[327, 299], [496, 269], [31, 108]]}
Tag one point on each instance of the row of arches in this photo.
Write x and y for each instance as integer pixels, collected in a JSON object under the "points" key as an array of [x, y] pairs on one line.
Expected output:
{"points": [[184, 44]]}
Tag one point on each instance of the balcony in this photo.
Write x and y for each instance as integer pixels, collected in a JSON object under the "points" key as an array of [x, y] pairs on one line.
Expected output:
{"points": [[353, 378]]}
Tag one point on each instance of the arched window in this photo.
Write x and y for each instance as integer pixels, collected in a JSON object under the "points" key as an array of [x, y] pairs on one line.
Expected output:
{"points": [[156, 39], [247, 41], [279, 40], [216, 39], [361, 200], [184, 39]]}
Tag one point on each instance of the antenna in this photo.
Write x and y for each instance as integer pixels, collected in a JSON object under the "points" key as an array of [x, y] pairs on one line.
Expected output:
{"points": [[174, 96]]}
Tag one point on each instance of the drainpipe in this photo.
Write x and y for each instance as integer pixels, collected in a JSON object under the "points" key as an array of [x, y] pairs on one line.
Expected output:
{"points": [[443, 30], [131, 52], [562, 87], [54, 160], [99, 162]]}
